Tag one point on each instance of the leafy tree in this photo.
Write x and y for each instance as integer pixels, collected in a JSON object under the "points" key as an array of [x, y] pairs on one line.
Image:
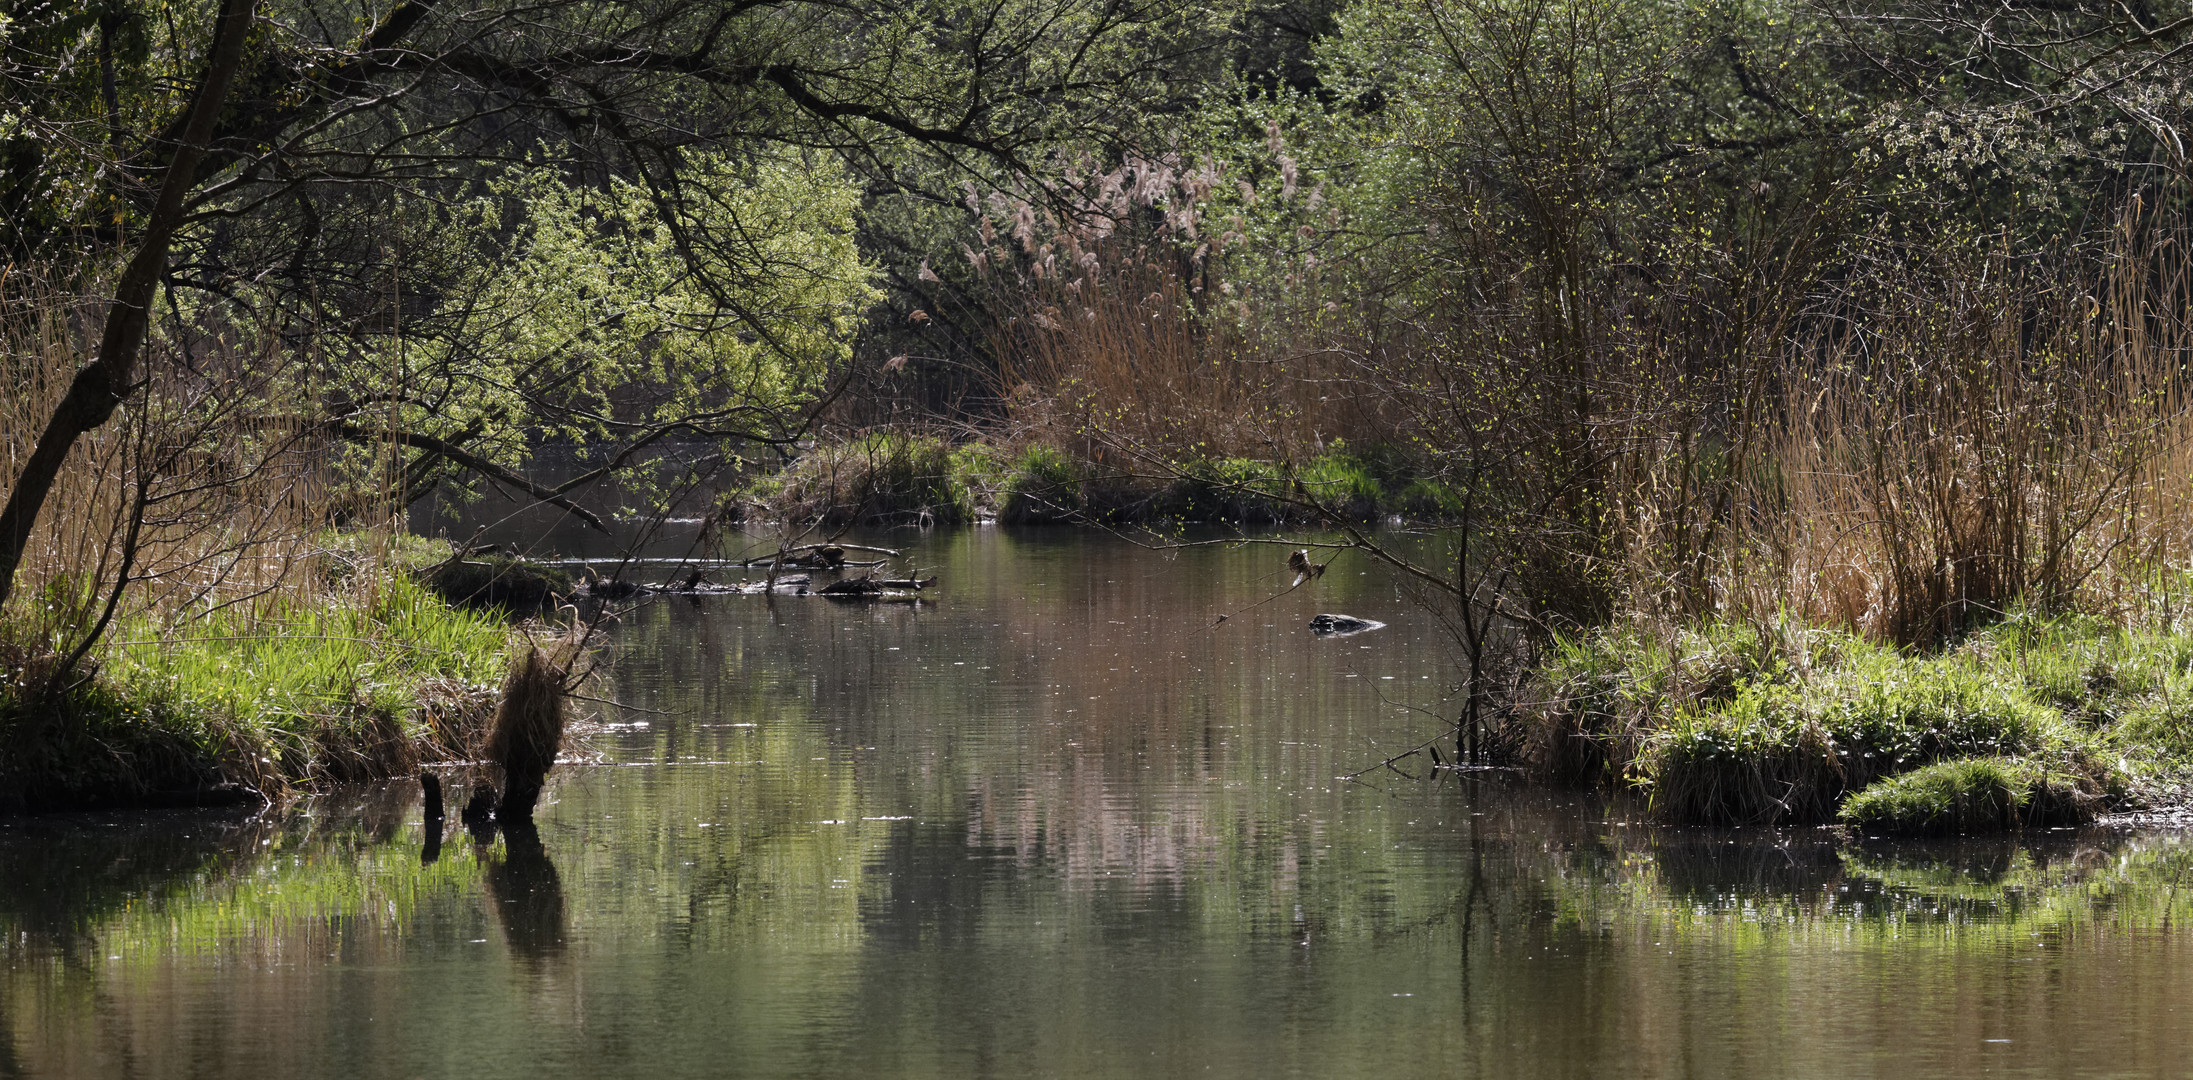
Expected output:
{"points": [[245, 138]]}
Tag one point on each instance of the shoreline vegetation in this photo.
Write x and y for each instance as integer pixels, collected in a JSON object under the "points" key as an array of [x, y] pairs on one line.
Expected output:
{"points": [[896, 477], [2029, 720], [358, 669], [1804, 394]]}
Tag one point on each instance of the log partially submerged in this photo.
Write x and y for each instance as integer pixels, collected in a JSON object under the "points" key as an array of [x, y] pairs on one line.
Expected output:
{"points": [[696, 583], [582, 565]]}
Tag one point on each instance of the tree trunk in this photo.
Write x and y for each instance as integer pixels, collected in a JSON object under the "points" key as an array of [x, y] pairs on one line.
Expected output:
{"points": [[102, 385]]}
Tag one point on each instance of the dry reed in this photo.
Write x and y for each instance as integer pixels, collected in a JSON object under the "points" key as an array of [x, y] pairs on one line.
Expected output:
{"points": [[528, 730]]}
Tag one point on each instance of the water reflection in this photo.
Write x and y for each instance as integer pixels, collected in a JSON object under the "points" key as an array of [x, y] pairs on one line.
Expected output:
{"points": [[527, 895], [1057, 824]]}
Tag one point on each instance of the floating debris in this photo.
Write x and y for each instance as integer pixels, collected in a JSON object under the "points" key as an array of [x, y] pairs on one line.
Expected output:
{"points": [[1328, 625]]}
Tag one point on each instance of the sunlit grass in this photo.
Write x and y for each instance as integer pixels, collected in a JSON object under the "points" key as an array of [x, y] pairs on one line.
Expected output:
{"points": [[1739, 723], [358, 680]]}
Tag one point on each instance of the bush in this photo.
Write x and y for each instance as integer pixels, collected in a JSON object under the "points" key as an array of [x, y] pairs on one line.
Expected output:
{"points": [[497, 580], [885, 477], [1041, 486]]}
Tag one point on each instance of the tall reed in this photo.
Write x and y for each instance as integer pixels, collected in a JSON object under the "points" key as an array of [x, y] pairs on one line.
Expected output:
{"points": [[2002, 432]]}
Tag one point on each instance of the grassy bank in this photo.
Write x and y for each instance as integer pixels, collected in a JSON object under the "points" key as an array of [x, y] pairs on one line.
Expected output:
{"points": [[361, 678], [2033, 721], [902, 478]]}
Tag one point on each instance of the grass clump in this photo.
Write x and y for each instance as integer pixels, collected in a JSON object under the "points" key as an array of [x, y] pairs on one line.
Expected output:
{"points": [[1596, 697], [1733, 724], [357, 682], [1971, 795], [1042, 486]]}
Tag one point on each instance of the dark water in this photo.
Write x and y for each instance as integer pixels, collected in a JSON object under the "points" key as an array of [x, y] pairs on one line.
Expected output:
{"points": [[1053, 822]]}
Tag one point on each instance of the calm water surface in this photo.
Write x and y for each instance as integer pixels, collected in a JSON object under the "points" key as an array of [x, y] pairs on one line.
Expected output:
{"points": [[1054, 822]]}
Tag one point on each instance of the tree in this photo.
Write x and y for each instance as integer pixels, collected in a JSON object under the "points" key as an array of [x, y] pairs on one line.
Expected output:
{"points": [[300, 119]]}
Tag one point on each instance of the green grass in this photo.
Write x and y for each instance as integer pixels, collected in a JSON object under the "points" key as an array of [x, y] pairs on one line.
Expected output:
{"points": [[1733, 724], [1972, 795], [1041, 486], [359, 682]]}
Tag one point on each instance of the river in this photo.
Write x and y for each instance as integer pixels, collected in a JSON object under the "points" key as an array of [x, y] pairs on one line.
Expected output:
{"points": [[1058, 819]]}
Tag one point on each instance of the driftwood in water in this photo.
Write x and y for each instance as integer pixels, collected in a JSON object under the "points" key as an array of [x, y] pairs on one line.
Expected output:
{"points": [[852, 587], [808, 563], [528, 732], [795, 552], [929, 582]]}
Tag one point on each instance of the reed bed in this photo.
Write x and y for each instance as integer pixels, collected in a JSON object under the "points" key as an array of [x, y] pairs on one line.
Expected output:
{"points": [[1670, 488], [1967, 449]]}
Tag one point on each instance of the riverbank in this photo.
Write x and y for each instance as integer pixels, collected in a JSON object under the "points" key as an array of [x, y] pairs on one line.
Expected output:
{"points": [[2031, 722], [366, 674], [895, 478]]}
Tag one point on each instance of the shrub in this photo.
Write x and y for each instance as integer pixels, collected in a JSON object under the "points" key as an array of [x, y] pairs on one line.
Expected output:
{"points": [[1041, 486], [884, 477]]}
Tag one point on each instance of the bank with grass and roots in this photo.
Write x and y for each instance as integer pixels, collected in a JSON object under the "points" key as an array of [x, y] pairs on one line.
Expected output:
{"points": [[356, 672], [896, 477], [2033, 721]]}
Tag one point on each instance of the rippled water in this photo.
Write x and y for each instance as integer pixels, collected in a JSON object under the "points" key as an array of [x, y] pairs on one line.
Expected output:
{"points": [[1058, 820]]}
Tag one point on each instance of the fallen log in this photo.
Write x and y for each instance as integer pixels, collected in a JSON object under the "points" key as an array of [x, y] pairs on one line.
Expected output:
{"points": [[908, 583]]}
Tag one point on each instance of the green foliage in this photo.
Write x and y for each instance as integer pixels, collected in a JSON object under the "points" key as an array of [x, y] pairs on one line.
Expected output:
{"points": [[1596, 696], [1789, 751], [1042, 485], [1972, 795], [599, 316], [1731, 723], [884, 477], [355, 684]]}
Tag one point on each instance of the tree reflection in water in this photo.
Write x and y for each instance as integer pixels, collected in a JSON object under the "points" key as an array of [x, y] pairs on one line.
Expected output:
{"points": [[527, 895]]}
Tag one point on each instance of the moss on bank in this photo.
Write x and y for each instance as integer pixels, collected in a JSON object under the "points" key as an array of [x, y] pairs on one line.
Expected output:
{"points": [[899, 478], [2032, 721], [363, 680]]}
